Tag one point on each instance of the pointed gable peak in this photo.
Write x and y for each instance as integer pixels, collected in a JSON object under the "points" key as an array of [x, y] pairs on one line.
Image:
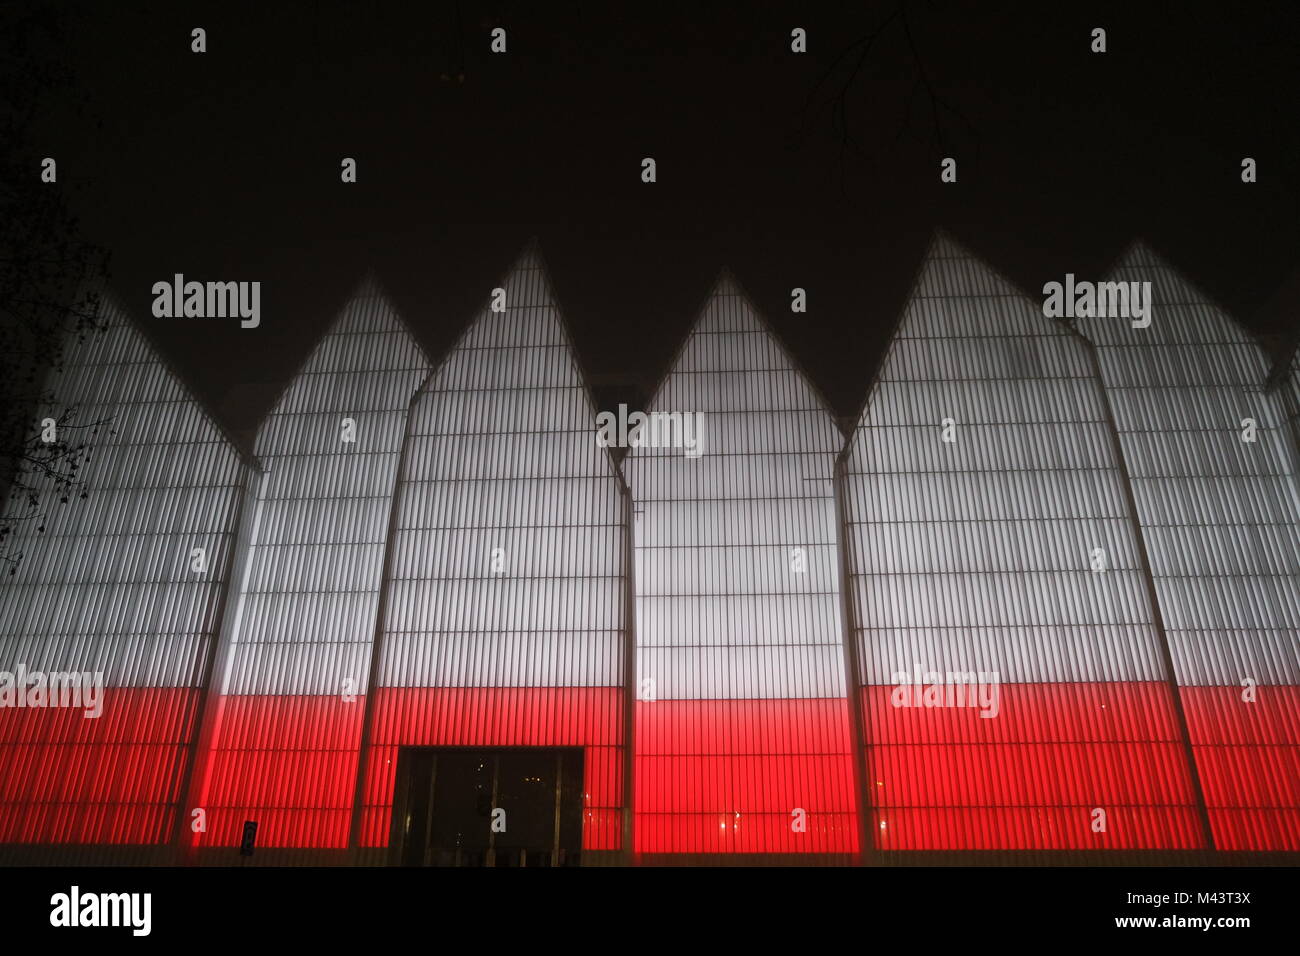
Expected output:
{"points": [[541, 290], [1137, 253], [368, 309], [1145, 261], [942, 245], [369, 284], [527, 315], [732, 354], [528, 257], [527, 282], [365, 335], [117, 335], [951, 269], [1171, 287], [1140, 260], [726, 284], [728, 308]]}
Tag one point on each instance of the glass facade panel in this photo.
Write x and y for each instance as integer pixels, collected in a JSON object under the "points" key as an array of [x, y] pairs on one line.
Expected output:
{"points": [[1213, 472], [286, 730], [1013, 684], [742, 736]]}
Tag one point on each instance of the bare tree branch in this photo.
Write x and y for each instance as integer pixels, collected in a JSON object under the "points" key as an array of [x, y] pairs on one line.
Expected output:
{"points": [[48, 274], [845, 85]]}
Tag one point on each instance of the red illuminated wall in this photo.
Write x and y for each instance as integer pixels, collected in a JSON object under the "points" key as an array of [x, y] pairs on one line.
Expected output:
{"points": [[722, 776], [114, 779], [947, 779]]}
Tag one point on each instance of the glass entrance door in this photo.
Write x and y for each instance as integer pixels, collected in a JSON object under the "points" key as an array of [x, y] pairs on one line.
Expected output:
{"points": [[488, 807]]}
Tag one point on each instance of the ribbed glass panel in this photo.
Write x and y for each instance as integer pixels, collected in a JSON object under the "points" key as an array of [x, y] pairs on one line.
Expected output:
{"points": [[296, 659], [1222, 523], [982, 485], [742, 738], [109, 587], [507, 612]]}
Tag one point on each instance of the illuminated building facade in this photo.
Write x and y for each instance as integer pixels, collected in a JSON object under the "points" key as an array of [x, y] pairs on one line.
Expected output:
{"points": [[1040, 596], [128, 584]]}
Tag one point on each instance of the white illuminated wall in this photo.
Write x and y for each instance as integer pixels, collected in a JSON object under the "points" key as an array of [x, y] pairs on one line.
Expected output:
{"points": [[295, 663], [507, 612], [110, 586], [1221, 517], [742, 724], [1008, 549]]}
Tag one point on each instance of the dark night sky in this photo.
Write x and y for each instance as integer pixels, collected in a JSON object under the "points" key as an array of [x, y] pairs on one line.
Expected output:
{"points": [[225, 165]]}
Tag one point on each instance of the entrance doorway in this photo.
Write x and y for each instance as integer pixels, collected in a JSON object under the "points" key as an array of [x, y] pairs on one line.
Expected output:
{"points": [[502, 806]]}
